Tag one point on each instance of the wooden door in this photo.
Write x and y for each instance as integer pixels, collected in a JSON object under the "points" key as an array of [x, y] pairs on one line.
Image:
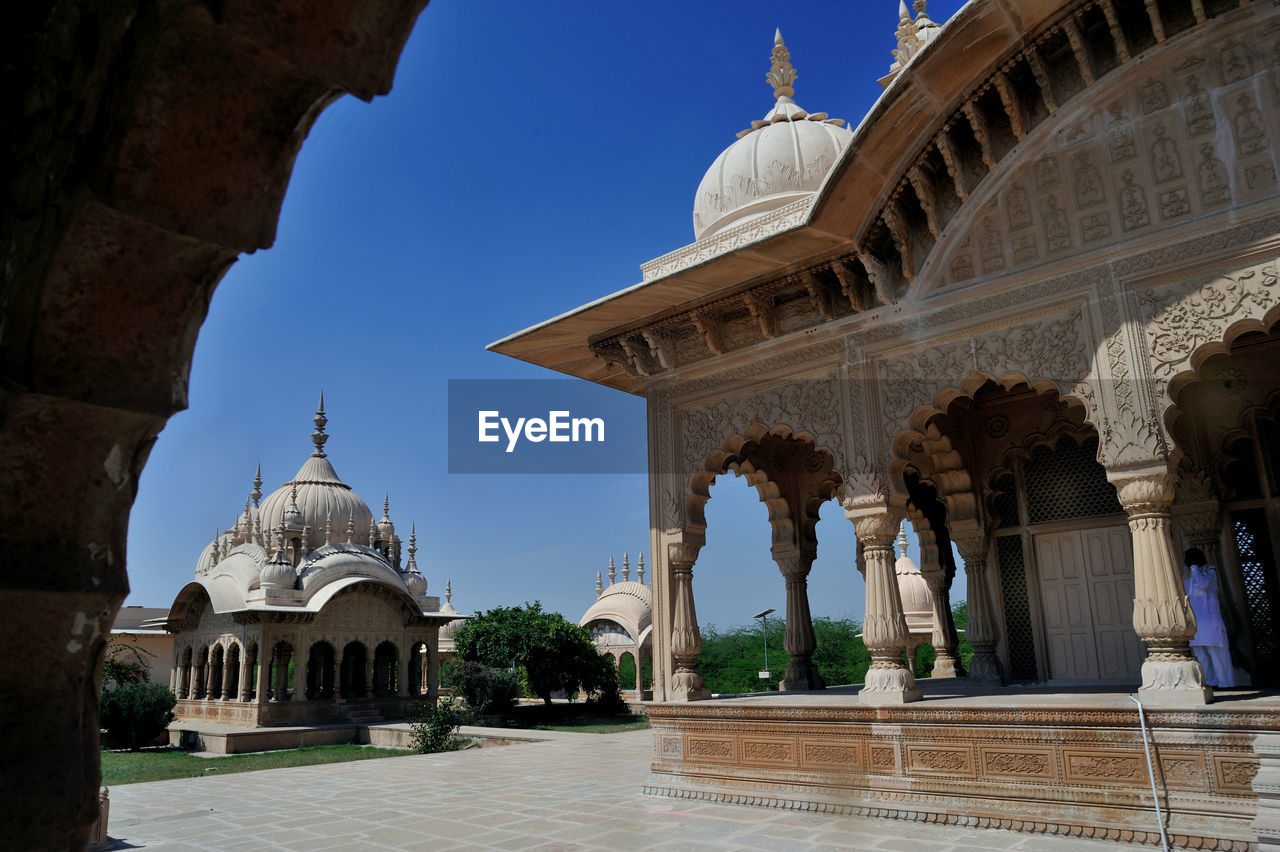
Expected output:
{"points": [[1086, 591]]}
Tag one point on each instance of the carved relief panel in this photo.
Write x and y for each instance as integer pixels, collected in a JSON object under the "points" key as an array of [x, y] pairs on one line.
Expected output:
{"points": [[1187, 134]]}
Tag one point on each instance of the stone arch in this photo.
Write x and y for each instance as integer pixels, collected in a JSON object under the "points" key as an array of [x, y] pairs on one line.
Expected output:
{"points": [[164, 148], [922, 446], [793, 512]]}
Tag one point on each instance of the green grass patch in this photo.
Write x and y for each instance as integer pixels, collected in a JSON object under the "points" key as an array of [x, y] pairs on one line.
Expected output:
{"points": [[596, 724], [124, 767]]}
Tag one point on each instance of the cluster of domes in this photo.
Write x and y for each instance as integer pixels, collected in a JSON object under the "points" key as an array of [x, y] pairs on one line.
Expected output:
{"points": [[779, 159], [310, 531]]}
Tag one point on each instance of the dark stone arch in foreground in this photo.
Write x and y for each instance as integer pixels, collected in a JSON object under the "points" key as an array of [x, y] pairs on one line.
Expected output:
{"points": [[147, 145]]}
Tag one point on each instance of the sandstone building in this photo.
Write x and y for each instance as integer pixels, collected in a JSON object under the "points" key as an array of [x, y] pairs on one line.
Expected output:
{"points": [[1029, 303]]}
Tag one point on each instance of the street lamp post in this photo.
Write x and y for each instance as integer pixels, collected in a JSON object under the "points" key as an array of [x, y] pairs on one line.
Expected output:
{"points": [[764, 626]]}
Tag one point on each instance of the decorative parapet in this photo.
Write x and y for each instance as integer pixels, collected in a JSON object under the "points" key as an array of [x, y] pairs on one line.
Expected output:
{"points": [[752, 231]]}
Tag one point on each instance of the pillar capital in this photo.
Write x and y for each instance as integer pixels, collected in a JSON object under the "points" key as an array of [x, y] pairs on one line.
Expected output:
{"points": [[1145, 491], [876, 528]]}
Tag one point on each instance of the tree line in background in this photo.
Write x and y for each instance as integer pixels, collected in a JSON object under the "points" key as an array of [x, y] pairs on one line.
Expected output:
{"points": [[732, 659]]}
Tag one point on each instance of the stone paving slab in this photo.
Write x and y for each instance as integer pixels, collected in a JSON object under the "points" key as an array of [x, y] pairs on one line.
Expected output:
{"points": [[578, 791]]}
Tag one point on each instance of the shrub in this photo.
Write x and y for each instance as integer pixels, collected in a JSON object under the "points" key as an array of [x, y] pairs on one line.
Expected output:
{"points": [[136, 714], [431, 727], [487, 691]]}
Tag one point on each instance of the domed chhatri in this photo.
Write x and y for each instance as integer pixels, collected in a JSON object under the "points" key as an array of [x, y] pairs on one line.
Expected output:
{"points": [[780, 159], [621, 619], [306, 589]]}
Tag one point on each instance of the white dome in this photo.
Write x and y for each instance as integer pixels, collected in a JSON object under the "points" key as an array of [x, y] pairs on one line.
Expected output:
{"points": [[320, 492], [783, 157]]}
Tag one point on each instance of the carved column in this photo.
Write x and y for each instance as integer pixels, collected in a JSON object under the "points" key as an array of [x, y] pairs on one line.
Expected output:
{"points": [[246, 675], [981, 630], [206, 688], [264, 673], [405, 662], [281, 684], [224, 682], [798, 638], [946, 663], [433, 668], [686, 640], [299, 672], [180, 679], [885, 630], [1162, 615]]}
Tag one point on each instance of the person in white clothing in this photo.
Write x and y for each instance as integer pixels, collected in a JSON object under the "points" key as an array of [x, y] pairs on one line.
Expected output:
{"points": [[1210, 642]]}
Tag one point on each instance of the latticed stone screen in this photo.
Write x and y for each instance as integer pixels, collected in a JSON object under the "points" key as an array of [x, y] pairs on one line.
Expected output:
{"points": [[1250, 530], [1067, 482], [1017, 609]]}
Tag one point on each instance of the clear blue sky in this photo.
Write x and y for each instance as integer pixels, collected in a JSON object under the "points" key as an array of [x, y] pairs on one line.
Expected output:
{"points": [[528, 159]]}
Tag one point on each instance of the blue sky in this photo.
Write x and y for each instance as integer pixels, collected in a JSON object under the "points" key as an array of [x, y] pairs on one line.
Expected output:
{"points": [[528, 159]]}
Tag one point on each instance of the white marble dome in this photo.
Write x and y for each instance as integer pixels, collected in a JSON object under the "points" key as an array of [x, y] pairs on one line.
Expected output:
{"points": [[917, 603], [782, 158]]}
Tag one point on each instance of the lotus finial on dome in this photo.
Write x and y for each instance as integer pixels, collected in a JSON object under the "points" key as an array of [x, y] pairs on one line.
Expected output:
{"points": [[256, 493], [781, 75]]}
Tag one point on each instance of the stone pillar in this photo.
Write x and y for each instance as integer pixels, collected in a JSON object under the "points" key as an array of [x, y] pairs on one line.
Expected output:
{"points": [[246, 675], [405, 665], [224, 688], [981, 630], [686, 640], [1162, 616], [798, 638], [179, 678], [299, 674], [263, 686], [224, 682], [280, 683], [946, 663], [433, 669], [884, 630], [207, 690]]}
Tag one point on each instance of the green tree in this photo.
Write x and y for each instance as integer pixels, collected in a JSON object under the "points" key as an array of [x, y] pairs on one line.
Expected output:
{"points": [[555, 654]]}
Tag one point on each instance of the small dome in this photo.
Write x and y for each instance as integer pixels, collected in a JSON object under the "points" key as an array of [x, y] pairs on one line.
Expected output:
{"points": [[629, 604], [782, 158], [415, 582], [279, 572], [917, 602]]}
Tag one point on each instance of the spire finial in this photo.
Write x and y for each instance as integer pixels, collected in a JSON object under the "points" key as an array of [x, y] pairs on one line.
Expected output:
{"points": [[640, 568], [612, 571], [386, 506], [413, 541], [904, 14], [318, 437], [902, 540], [781, 75], [599, 585], [448, 591], [626, 567], [373, 533], [217, 545], [328, 526], [351, 527], [256, 493]]}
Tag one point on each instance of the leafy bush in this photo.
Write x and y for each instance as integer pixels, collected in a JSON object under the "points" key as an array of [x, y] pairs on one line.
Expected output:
{"points": [[431, 727], [136, 714], [487, 691]]}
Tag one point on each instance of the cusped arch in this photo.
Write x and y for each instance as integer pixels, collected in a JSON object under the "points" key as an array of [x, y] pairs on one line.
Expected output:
{"points": [[792, 513]]}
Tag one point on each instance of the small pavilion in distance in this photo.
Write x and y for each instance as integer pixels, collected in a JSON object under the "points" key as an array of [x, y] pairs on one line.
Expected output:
{"points": [[621, 623], [1030, 304]]}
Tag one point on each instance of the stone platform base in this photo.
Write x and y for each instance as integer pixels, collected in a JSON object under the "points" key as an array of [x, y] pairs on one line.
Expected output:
{"points": [[228, 739], [1027, 760]]}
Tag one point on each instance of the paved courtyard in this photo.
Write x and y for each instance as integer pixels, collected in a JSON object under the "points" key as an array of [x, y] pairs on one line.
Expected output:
{"points": [[578, 791]]}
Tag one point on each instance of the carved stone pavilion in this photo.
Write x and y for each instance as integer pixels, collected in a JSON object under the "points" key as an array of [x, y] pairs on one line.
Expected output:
{"points": [[1030, 304], [621, 623], [305, 612]]}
